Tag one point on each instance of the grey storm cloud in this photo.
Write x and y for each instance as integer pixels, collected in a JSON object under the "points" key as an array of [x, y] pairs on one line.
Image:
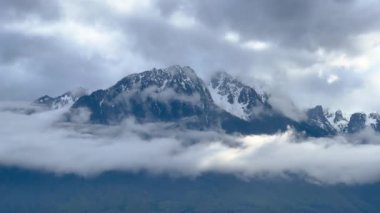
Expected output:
{"points": [[53, 146], [22, 9], [44, 64], [301, 24], [49, 47]]}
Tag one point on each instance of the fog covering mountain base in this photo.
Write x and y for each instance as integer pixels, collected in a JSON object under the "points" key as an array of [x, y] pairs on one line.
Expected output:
{"points": [[166, 121]]}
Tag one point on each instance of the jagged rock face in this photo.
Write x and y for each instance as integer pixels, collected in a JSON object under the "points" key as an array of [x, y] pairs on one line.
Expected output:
{"points": [[66, 99], [339, 117], [236, 98], [177, 94], [317, 119], [374, 121], [340, 122], [252, 107], [337, 121], [357, 122], [172, 94], [167, 94], [246, 103]]}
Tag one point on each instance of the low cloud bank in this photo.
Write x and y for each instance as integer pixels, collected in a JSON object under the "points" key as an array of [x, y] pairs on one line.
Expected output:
{"points": [[41, 141]]}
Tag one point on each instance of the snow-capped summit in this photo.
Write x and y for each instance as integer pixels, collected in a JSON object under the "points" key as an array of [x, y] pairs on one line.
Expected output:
{"points": [[177, 95], [235, 97], [178, 70], [357, 121], [316, 117], [159, 94], [182, 80], [66, 99], [373, 120], [337, 120]]}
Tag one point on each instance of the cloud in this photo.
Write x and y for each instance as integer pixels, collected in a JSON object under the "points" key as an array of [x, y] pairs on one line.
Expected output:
{"points": [[22, 9], [294, 46], [41, 141], [295, 23], [283, 104]]}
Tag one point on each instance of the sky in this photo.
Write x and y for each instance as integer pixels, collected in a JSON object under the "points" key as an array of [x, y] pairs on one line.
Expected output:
{"points": [[313, 52]]}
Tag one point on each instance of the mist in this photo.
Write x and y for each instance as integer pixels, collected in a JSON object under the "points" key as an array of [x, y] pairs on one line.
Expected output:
{"points": [[43, 141]]}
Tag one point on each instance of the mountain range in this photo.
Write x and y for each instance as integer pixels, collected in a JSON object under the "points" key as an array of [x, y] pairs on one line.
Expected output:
{"points": [[224, 103]]}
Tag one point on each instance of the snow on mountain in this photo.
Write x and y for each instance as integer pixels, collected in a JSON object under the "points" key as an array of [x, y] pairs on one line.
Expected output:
{"points": [[158, 94], [177, 94], [316, 117], [236, 98], [337, 120], [356, 122], [245, 102], [66, 99]]}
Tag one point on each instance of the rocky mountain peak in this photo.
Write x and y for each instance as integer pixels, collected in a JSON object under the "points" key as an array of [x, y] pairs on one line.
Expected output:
{"points": [[339, 116], [317, 117], [159, 94], [66, 99], [235, 97], [357, 122]]}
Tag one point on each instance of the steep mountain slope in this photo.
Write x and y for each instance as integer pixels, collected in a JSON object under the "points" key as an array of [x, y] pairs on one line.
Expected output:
{"points": [[237, 98], [171, 94], [359, 121], [176, 94], [337, 120], [338, 123], [247, 103], [374, 121], [316, 118]]}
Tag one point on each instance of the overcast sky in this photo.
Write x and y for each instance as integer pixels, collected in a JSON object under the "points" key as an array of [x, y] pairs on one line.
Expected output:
{"points": [[325, 51]]}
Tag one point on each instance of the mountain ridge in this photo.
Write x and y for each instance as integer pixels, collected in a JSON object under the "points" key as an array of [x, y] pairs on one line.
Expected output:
{"points": [[177, 94]]}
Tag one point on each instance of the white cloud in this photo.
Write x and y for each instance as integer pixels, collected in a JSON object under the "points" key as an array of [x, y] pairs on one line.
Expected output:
{"points": [[232, 37], [255, 45], [182, 20], [93, 39], [40, 141], [360, 63], [100, 44], [332, 78], [129, 6]]}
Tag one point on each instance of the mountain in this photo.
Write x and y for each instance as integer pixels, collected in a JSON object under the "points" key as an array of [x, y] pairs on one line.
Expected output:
{"points": [[374, 121], [66, 99], [177, 95], [249, 104], [337, 120], [337, 123], [359, 121], [172, 94], [317, 120], [237, 98]]}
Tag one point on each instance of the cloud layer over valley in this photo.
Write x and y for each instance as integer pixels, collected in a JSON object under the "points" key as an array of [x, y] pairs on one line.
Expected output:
{"points": [[42, 141]]}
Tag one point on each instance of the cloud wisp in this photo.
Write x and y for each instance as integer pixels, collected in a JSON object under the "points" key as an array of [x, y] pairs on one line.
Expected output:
{"points": [[41, 141]]}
